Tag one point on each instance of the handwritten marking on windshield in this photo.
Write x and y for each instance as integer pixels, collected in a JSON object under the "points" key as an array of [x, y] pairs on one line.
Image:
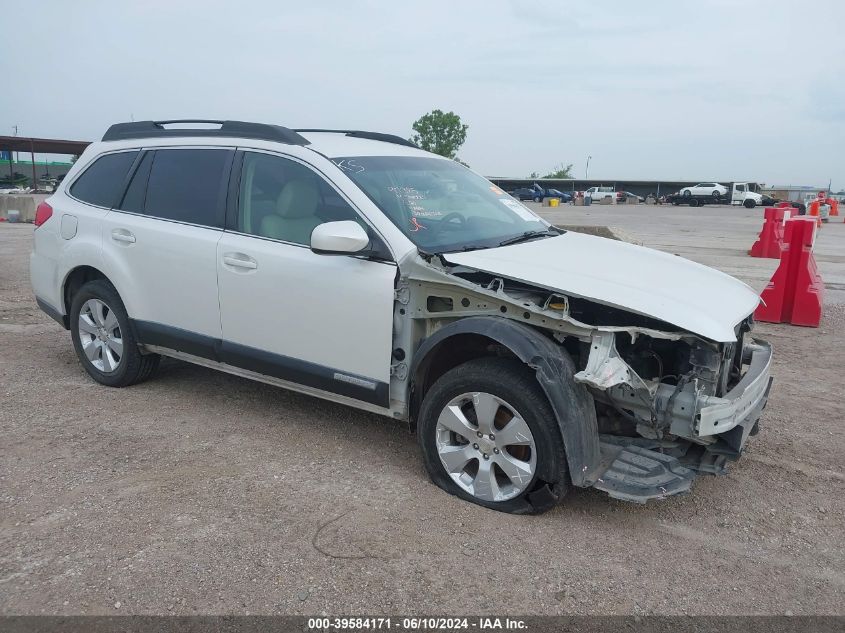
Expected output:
{"points": [[348, 164], [416, 226]]}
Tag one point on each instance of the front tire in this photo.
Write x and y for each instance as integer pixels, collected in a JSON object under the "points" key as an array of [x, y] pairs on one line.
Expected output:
{"points": [[537, 199], [687, 193], [488, 435], [103, 339], [749, 204]]}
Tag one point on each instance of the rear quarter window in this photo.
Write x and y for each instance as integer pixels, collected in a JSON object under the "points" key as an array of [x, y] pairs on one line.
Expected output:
{"points": [[102, 182]]}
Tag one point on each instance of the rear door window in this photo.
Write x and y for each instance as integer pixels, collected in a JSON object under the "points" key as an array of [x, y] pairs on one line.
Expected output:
{"points": [[185, 185], [102, 183]]}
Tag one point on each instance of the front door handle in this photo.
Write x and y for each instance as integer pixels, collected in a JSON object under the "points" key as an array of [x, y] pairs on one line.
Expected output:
{"points": [[122, 235], [240, 260]]}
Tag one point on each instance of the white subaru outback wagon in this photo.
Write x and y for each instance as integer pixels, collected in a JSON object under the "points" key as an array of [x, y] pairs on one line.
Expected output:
{"points": [[354, 266]]}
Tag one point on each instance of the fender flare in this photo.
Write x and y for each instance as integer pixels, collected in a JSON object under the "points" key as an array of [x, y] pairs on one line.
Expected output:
{"points": [[571, 402]]}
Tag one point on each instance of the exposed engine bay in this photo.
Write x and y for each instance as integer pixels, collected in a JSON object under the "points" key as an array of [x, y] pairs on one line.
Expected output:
{"points": [[660, 392]]}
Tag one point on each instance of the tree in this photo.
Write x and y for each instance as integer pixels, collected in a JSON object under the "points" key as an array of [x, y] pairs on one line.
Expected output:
{"points": [[440, 132], [561, 171], [534, 174]]}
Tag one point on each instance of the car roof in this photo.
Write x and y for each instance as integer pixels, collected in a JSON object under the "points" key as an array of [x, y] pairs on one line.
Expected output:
{"points": [[328, 143], [338, 144]]}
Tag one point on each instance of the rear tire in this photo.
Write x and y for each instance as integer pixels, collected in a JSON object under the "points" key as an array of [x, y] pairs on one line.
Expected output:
{"points": [[103, 338], [502, 388], [537, 199], [693, 203]]}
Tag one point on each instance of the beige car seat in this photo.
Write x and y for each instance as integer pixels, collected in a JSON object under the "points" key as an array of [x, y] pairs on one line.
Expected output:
{"points": [[295, 216]]}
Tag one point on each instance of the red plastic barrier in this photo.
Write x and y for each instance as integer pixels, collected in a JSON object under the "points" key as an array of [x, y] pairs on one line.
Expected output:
{"points": [[795, 293], [770, 242], [814, 209], [834, 206], [793, 211]]}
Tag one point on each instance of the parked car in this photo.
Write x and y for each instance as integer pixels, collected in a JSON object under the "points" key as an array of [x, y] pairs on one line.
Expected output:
{"points": [[355, 267], [713, 189], [538, 194], [535, 193], [624, 195], [557, 193], [598, 193]]}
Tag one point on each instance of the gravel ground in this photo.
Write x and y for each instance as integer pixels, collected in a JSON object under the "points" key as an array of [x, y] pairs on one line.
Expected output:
{"points": [[199, 492]]}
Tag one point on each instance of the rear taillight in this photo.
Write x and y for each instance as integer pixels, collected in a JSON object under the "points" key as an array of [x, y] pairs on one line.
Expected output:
{"points": [[43, 213]]}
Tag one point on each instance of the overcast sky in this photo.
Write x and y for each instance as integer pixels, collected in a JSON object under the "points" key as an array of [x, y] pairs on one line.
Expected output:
{"points": [[710, 90]]}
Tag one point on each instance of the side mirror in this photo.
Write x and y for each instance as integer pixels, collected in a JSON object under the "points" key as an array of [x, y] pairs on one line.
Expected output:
{"points": [[339, 238]]}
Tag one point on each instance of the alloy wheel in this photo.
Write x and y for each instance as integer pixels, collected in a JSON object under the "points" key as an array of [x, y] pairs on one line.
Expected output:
{"points": [[100, 336], [486, 446]]}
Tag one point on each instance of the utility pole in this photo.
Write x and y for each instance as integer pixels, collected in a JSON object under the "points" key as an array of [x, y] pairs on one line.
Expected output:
{"points": [[587, 169], [12, 160]]}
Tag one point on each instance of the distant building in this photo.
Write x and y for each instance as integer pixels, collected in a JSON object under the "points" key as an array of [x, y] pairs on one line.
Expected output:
{"points": [[794, 193]]}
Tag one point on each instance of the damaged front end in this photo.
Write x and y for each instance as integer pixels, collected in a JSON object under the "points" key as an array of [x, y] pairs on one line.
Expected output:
{"points": [[669, 404], [667, 412]]}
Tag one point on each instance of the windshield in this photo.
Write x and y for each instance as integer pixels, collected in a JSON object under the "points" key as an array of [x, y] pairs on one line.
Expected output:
{"points": [[440, 205]]}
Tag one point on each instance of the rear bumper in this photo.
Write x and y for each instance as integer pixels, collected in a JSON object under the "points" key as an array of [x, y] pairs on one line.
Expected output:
{"points": [[44, 269], [53, 313]]}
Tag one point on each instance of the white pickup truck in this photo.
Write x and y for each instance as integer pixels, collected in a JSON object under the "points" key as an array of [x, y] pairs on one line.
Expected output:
{"points": [[598, 193]]}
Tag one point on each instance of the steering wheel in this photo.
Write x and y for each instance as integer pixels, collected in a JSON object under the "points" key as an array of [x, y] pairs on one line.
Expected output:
{"points": [[454, 215]]}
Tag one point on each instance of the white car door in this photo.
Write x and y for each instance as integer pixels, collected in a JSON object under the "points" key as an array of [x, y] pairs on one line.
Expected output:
{"points": [[319, 322], [160, 247]]}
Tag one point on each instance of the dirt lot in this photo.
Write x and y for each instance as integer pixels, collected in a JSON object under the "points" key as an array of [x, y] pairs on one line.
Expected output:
{"points": [[199, 492]]}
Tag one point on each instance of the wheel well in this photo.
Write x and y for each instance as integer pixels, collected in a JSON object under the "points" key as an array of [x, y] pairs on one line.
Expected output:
{"points": [[449, 353], [77, 278]]}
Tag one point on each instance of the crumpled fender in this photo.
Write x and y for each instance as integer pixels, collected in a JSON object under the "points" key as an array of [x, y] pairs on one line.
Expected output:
{"points": [[572, 403]]}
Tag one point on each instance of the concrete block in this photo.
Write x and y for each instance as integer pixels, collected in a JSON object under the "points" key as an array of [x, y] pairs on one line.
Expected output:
{"points": [[24, 203]]}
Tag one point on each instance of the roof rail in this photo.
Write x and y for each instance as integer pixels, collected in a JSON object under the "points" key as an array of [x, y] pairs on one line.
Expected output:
{"points": [[239, 129], [373, 136]]}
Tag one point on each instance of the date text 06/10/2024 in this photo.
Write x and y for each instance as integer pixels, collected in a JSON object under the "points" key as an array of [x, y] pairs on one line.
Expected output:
{"points": [[414, 624]]}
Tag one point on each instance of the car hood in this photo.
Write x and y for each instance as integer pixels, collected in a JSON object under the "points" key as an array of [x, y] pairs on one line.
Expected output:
{"points": [[691, 296]]}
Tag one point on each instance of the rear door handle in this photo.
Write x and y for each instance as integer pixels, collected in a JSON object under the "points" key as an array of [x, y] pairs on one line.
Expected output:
{"points": [[240, 260], [122, 235]]}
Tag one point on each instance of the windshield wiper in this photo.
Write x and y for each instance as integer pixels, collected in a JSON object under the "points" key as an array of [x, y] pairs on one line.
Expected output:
{"points": [[528, 235]]}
